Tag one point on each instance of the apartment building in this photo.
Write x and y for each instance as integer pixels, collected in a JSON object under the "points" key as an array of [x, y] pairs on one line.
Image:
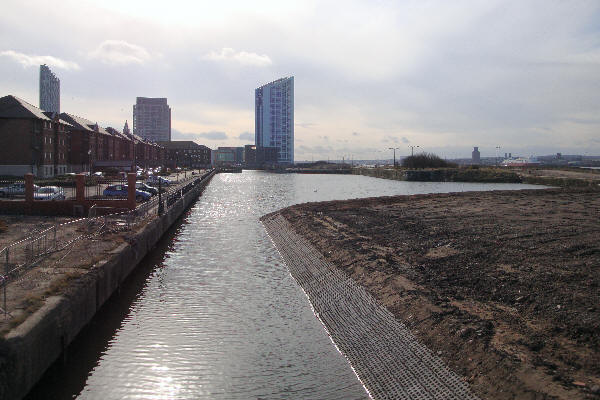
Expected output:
{"points": [[274, 118]]}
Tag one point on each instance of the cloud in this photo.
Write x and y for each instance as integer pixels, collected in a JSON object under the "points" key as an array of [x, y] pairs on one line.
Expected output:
{"points": [[392, 139], [246, 136], [120, 52], [405, 140], [306, 125], [33, 61], [212, 135], [355, 133], [228, 54]]}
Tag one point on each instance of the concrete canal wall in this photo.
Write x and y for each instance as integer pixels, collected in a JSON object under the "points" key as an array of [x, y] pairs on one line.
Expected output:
{"points": [[28, 350], [385, 355]]}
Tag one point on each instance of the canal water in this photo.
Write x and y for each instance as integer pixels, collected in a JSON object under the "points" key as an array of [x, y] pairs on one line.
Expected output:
{"points": [[213, 312]]}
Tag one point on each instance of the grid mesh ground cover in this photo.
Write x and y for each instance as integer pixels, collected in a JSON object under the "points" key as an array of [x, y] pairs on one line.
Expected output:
{"points": [[388, 359]]}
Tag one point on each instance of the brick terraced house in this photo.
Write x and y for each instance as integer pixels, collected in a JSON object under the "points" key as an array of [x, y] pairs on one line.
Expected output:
{"points": [[48, 144], [31, 141]]}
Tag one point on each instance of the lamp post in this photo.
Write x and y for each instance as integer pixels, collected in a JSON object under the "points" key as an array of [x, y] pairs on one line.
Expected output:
{"points": [[394, 148], [161, 206], [177, 164], [133, 163], [412, 150]]}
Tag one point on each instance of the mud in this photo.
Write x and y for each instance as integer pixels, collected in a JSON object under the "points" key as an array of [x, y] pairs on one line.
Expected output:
{"points": [[503, 286]]}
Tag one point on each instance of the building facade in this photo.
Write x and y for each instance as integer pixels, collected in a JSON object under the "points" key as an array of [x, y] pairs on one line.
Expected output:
{"points": [[228, 156], [259, 157], [475, 156], [186, 153], [49, 90], [274, 118], [152, 119], [31, 141]]}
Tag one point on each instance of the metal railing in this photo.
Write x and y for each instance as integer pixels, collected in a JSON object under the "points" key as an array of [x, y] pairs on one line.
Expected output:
{"points": [[23, 255], [97, 191], [12, 189]]}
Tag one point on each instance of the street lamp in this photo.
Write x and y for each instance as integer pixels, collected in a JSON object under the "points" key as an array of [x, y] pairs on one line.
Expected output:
{"points": [[412, 150], [394, 148]]}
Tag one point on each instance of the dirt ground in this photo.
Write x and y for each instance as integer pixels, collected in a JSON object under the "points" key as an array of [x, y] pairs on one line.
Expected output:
{"points": [[82, 245], [504, 286], [51, 275]]}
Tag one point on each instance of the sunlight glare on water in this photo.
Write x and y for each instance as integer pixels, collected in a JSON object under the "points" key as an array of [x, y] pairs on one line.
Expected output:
{"points": [[219, 316]]}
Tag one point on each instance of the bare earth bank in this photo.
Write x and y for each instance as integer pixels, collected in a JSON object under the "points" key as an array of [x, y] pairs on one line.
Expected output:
{"points": [[504, 286]]}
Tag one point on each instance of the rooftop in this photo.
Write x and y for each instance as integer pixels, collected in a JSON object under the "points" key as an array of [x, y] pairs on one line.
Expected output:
{"points": [[14, 107]]}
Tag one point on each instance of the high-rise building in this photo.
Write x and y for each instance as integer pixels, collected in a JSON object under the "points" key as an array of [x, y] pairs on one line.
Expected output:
{"points": [[152, 119], [49, 90], [274, 118]]}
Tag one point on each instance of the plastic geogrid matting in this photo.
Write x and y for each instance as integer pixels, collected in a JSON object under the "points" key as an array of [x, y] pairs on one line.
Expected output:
{"points": [[388, 359]]}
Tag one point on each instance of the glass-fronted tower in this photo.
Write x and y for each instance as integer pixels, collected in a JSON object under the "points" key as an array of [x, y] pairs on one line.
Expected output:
{"points": [[49, 90], [152, 119], [274, 118]]}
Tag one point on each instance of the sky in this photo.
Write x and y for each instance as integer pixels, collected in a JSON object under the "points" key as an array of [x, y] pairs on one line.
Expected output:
{"points": [[523, 76]]}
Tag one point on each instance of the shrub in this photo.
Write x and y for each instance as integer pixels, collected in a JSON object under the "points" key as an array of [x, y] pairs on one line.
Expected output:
{"points": [[426, 160]]}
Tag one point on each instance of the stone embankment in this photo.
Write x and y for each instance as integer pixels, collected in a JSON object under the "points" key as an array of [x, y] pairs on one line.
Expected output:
{"points": [[533, 176], [488, 175], [385, 355], [29, 349]]}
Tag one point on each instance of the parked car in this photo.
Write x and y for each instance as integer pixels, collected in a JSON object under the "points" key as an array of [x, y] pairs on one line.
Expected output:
{"points": [[146, 188], [154, 179], [49, 193], [121, 191], [15, 189]]}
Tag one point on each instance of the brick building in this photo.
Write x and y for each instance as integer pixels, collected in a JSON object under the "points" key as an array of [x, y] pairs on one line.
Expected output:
{"points": [[186, 153], [31, 141], [48, 144], [259, 157]]}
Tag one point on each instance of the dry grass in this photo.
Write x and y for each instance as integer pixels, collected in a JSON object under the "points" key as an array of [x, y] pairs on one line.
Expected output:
{"points": [[61, 284]]}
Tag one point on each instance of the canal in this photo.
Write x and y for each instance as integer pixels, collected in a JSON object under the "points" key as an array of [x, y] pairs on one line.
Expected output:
{"points": [[213, 313]]}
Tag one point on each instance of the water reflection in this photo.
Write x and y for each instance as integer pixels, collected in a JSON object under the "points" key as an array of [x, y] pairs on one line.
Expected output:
{"points": [[219, 316]]}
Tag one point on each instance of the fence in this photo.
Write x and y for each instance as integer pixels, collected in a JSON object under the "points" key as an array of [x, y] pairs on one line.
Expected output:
{"points": [[27, 253], [12, 189], [107, 189]]}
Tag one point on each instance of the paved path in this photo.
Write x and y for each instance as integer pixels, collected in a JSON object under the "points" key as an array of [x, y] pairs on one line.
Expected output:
{"points": [[384, 354]]}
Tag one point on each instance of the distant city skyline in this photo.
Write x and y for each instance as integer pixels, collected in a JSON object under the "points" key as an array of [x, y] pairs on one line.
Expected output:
{"points": [[441, 75]]}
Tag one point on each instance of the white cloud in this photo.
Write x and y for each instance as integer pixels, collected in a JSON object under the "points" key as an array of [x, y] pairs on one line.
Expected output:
{"points": [[241, 57], [27, 60], [246, 136], [120, 52]]}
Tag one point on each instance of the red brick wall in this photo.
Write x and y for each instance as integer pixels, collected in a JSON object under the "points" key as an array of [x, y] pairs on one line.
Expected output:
{"points": [[16, 141]]}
